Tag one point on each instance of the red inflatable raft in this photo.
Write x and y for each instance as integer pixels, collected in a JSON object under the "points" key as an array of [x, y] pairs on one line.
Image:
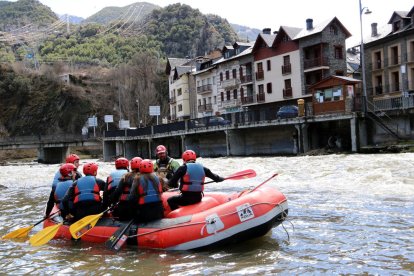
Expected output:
{"points": [[218, 219]]}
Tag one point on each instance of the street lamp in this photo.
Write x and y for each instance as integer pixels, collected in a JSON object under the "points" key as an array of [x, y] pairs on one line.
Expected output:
{"points": [[362, 58]]}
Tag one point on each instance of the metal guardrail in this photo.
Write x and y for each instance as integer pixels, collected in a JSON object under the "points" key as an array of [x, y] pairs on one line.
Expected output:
{"points": [[58, 138]]}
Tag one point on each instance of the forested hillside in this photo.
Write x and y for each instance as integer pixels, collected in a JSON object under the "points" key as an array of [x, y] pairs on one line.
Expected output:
{"points": [[117, 67]]}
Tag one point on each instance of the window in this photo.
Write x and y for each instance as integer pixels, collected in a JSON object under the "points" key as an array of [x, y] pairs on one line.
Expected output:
{"points": [[338, 52], [221, 76], [329, 94], [241, 93], [199, 102], [179, 92], [227, 75], [180, 107], [269, 67], [396, 26], [214, 80], [228, 95], [286, 60], [241, 72], [235, 94], [260, 67], [288, 84], [261, 89], [269, 87], [222, 96], [333, 30], [234, 73]]}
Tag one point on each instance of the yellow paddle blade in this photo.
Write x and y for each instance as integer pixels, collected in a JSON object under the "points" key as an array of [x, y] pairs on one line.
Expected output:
{"points": [[42, 237], [82, 226], [19, 233]]}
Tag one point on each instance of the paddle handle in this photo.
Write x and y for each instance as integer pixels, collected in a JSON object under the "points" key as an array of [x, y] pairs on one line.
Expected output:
{"points": [[45, 218], [264, 182]]}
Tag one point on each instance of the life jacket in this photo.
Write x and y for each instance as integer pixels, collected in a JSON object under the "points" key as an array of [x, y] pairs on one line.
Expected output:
{"points": [[114, 178], [193, 180], [127, 187], [164, 169], [149, 191], [56, 179], [61, 188], [86, 189]]}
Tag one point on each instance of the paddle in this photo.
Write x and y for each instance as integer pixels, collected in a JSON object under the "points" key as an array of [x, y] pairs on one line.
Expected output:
{"points": [[264, 182], [117, 240], [45, 235], [84, 225], [24, 232], [236, 176]]}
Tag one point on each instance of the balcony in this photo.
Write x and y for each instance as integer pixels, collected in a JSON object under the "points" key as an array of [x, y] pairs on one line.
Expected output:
{"points": [[205, 89], [377, 65], [248, 100], [261, 97], [173, 100], [230, 84], [287, 93], [260, 75], [315, 62], [230, 103], [205, 108], [286, 69], [246, 79]]}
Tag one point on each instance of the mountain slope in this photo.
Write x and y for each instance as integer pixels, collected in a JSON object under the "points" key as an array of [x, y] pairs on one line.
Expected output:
{"points": [[15, 15]]}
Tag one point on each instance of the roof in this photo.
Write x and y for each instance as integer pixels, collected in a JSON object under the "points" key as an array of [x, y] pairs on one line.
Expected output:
{"points": [[402, 14], [268, 39], [382, 31], [291, 31], [244, 53], [181, 70], [174, 62], [319, 28]]}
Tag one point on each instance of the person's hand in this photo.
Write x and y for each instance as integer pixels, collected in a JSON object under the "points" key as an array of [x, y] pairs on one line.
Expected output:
{"points": [[69, 217]]}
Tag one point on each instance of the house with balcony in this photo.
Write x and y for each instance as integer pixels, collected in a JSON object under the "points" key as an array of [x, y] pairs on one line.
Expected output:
{"points": [[234, 72], [277, 65], [206, 87], [322, 51], [389, 55]]}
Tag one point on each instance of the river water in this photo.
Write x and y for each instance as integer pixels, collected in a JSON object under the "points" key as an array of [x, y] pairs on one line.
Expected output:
{"points": [[348, 214]]}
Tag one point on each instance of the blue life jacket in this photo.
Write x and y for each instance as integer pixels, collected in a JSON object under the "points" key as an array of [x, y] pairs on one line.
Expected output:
{"points": [[86, 189], [114, 178], [193, 180], [148, 191], [56, 179], [61, 188]]}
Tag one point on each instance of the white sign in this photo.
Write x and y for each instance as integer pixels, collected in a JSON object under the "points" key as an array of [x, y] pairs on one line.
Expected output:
{"points": [[92, 121], [109, 118], [154, 110], [123, 124]]}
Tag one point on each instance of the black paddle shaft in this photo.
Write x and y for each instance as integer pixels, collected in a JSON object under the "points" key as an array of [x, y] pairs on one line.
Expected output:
{"points": [[112, 242]]}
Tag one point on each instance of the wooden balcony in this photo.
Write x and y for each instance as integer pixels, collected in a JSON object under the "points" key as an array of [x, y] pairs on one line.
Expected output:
{"points": [[315, 62], [205, 107], [260, 75], [286, 69], [287, 93]]}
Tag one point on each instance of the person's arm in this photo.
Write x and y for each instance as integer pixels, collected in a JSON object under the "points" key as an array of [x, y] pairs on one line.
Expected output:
{"points": [[175, 165], [115, 195], [50, 202], [67, 198], [213, 176], [173, 182]]}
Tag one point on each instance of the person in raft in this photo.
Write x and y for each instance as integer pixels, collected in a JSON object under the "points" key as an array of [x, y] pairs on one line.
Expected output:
{"points": [[145, 194], [83, 197], [122, 191], [67, 174], [112, 181], [165, 166], [191, 176], [70, 159]]}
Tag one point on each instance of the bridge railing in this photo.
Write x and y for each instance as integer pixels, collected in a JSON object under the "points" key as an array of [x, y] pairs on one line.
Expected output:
{"points": [[44, 139]]}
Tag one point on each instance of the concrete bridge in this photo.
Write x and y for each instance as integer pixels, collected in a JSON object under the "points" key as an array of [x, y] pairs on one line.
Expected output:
{"points": [[51, 148]]}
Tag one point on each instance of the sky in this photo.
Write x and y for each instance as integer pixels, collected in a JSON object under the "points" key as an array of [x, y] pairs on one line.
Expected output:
{"points": [[264, 13]]}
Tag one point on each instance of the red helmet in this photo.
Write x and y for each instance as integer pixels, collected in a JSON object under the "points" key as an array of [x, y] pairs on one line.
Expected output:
{"points": [[189, 155], [146, 166], [135, 162], [90, 168], [67, 169], [72, 158], [121, 163], [160, 149]]}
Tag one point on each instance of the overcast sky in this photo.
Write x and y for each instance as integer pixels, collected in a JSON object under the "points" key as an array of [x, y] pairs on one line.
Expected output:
{"points": [[263, 13]]}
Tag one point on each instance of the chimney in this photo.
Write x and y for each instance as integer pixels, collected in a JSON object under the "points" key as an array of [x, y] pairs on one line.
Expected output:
{"points": [[309, 24], [374, 31], [267, 31], [275, 32]]}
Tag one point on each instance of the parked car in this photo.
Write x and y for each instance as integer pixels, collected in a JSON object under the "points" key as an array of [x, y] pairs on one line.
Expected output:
{"points": [[218, 121], [287, 111]]}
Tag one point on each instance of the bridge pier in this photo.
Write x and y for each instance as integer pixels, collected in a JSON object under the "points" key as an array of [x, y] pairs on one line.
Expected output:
{"points": [[52, 155]]}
